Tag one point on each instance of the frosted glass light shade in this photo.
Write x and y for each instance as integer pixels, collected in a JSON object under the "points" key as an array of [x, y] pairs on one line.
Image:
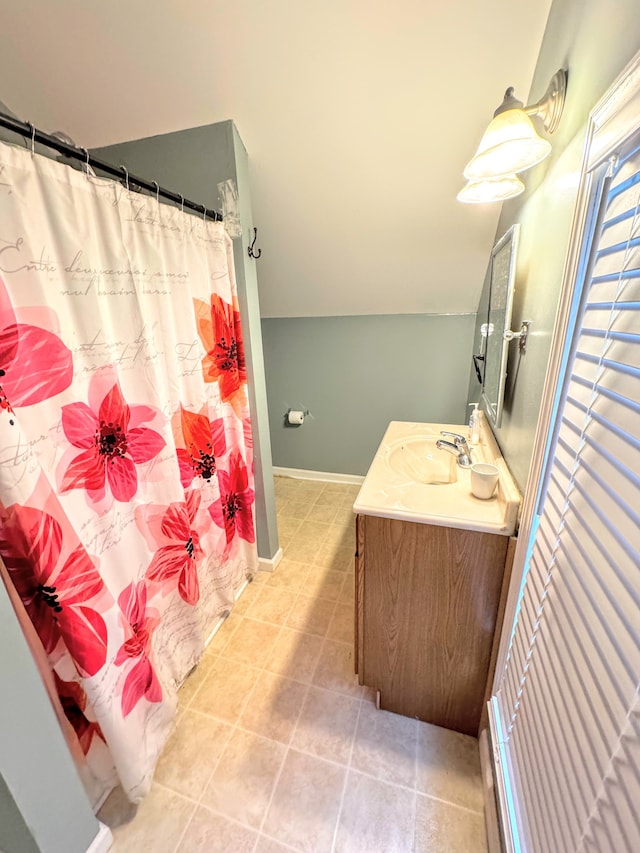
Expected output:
{"points": [[492, 189], [510, 144]]}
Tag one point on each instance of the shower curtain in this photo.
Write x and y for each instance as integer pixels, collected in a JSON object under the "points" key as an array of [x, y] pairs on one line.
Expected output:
{"points": [[126, 481]]}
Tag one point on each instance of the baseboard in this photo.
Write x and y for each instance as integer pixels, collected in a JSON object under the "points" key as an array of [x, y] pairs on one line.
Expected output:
{"points": [[323, 476], [270, 565], [218, 625], [103, 840]]}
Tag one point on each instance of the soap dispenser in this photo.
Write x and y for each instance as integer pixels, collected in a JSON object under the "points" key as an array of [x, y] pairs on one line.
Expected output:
{"points": [[474, 424]]}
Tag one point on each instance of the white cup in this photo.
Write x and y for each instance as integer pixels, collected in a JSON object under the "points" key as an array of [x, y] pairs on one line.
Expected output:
{"points": [[484, 479]]}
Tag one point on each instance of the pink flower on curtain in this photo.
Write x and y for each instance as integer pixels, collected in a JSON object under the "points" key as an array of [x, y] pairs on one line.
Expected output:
{"points": [[204, 442], [179, 551], [234, 509], [221, 334], [141, 621], [34, 363], [55, 591], [112, 442]]}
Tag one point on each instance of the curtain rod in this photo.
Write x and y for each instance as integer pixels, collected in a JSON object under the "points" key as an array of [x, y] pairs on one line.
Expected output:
{"points": [[26, 129]]}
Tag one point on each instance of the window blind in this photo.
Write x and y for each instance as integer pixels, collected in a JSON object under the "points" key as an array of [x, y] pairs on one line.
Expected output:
{"points": [[566, 715]]}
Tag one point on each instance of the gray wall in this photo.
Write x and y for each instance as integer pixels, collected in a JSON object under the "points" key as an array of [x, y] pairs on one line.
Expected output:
{"points": [[41, 796], [14, 832], [594, 40], [354, 375]]}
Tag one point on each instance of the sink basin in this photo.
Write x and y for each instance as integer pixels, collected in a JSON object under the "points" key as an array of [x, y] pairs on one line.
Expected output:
{"points": [[408, 473], [418, 460]]}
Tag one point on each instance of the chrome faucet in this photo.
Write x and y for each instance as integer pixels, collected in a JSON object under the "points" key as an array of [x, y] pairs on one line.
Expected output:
{"points": [[459, 446]]}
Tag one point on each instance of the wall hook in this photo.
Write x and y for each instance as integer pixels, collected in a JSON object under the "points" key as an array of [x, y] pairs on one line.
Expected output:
{"points": [[254, 253]]}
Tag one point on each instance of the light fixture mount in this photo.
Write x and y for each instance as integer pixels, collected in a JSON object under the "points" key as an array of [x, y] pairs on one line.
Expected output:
{"points": [[509, 102], [549, 107]]}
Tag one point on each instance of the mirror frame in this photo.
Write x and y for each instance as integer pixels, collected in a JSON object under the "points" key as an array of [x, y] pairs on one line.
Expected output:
{"points": [[496, 348]]}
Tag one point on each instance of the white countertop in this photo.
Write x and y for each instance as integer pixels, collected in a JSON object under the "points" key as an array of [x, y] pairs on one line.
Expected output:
{"points": [[392, 493]]}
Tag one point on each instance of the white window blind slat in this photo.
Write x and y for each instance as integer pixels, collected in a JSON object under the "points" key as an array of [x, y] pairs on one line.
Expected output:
{"points": [[538, 797], [534, 750], [618, 207], [516, 672], [586, 660], [605, 482], [587, 365], [619, 378], [610, 407], [568, 696], [558, 729], [604, 536], [616, 795], [574, 671], [616, 598], [547, 537], [610, 502], [611, 421], [619, 256], [608, 289]]}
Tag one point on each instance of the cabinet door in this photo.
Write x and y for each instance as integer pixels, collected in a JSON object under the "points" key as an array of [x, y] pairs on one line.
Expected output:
{"points": [[359, 598], [429, 613]]}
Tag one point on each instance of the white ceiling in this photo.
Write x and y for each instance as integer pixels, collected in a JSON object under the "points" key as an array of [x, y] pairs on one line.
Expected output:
{"points": [[358, 115]]}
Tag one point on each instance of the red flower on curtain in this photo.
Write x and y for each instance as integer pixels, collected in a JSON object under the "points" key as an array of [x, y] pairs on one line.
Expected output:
{"points": [[55, 590], [34, 363], [179, 551], [74, 703], [221, 334], [141, 621], [234, 509], [112, 442], [204, 442]]}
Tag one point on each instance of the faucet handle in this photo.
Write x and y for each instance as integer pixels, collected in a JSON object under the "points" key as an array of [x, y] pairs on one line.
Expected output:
{"points": [[457, 438]]}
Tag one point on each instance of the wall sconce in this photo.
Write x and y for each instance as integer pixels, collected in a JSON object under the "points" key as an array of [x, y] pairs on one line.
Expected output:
{"points": [[491, 189], [511, 144]]}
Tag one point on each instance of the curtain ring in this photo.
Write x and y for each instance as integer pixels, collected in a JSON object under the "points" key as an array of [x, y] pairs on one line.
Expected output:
{"points": [[155, 183], [204, 213], [33, 138], [126, 176], [87, 164], [181, 202]]}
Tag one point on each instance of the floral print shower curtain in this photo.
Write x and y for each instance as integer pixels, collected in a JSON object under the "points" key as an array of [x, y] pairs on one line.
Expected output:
{"points": [[126, 481]]}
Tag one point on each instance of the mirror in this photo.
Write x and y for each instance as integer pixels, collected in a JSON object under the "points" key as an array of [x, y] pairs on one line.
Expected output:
{"points": [[496, 344]]}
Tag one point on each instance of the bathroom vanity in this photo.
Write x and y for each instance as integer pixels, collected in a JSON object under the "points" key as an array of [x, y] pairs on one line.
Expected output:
{"points": [[431, 561]]}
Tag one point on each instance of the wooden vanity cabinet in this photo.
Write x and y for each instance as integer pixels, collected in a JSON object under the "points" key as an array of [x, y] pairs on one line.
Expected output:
{"points": [[427, 599]]}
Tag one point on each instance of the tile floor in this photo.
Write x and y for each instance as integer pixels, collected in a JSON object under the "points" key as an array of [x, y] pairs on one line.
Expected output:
{"points": [[277, 748]]}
